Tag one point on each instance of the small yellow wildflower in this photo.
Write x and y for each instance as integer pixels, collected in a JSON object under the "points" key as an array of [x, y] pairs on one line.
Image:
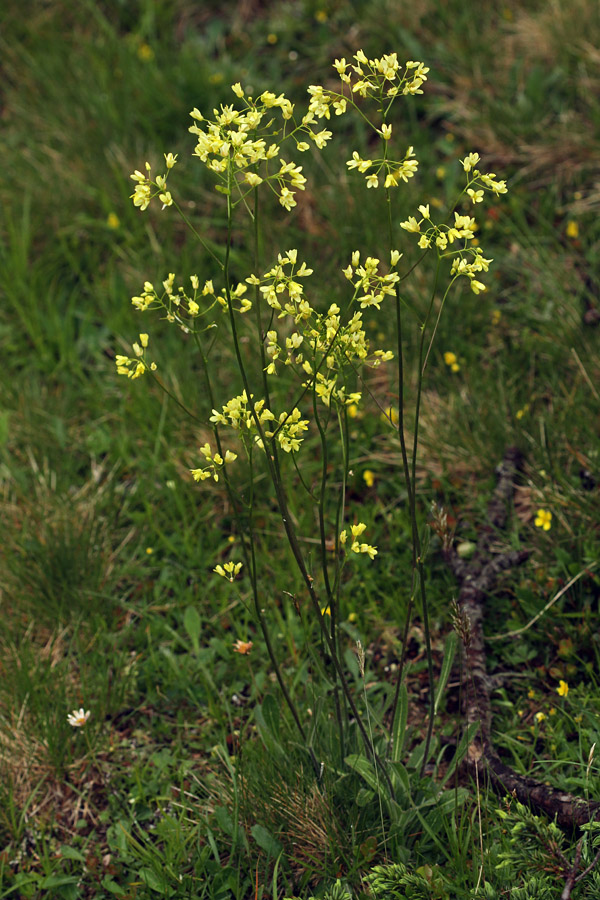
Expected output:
{"points": [[353, 617], [563, 688], [369, 477], [551, 711], [531, 693], [390, 415], [145, 53], [113, 220], [229, 571], [449, 358], [352, 409], [572, 229], [543, 519], [326, 611], [540, 716], [272, 38], [522, 412], [149, 551], [243, 647], [321, 15]]}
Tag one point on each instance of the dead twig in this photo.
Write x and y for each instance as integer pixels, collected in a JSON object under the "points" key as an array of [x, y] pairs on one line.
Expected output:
{"points": [[477, 578]]}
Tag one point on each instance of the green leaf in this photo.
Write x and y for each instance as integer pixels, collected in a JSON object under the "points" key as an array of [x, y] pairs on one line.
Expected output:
{"points": [[193, 625], [4, 417], [400, 719], [266, 717], [59, 880], [270, 711], [364, 797], [266, 841], [365, 769], [461, 750], [224, 820], [154, 881], [71, 853], [449, 653], [110, 885]]}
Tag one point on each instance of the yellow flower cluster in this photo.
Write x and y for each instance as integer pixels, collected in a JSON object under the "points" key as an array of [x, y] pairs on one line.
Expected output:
{"points": [[356, 546], [373, 285], [324, 346], [488, 181], [237, 143], [461, 266], [277, 282], [135, 366], [395, 172], [451, 361], [215, 461], [237, 413], [229, 571], [184, 308], [381, 77], [442, 236], [543, 519], [289, 428], [146, 189]]}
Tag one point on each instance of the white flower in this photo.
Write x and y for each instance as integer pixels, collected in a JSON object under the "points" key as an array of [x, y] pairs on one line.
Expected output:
{"points": [[78, 717]]}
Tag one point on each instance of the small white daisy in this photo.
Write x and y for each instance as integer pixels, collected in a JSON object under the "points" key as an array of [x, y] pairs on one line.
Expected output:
{"points": [[78, 717]]}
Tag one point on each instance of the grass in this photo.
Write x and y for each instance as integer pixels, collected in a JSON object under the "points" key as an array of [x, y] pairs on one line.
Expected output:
{"points": [[189, 780]]}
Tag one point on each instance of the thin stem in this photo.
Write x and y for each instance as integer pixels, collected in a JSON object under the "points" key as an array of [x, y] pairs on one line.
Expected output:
{"points": [[174, 398], [198, 236]]}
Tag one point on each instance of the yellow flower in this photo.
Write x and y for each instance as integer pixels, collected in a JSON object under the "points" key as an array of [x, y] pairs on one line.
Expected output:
{"points": [[112, 220], [563, 688], [572, 229], [243, 647], [369, 477], [149, 551], [352, 410], [390, 415], [543, 519], [229, 571], [450, 358], [540, 716], [326, 611], [353, 617], [145, 53], [531, 694], [271, 38]]}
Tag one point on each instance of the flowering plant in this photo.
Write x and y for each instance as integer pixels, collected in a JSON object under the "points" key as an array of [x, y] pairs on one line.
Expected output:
{"points": [[313, 351]]}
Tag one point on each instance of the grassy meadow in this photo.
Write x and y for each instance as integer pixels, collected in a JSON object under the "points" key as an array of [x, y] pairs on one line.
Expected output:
{"points": [[191, 779]]}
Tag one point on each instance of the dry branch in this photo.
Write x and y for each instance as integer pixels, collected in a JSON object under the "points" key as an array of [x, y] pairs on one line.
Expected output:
{"points": [[477, 578]]}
